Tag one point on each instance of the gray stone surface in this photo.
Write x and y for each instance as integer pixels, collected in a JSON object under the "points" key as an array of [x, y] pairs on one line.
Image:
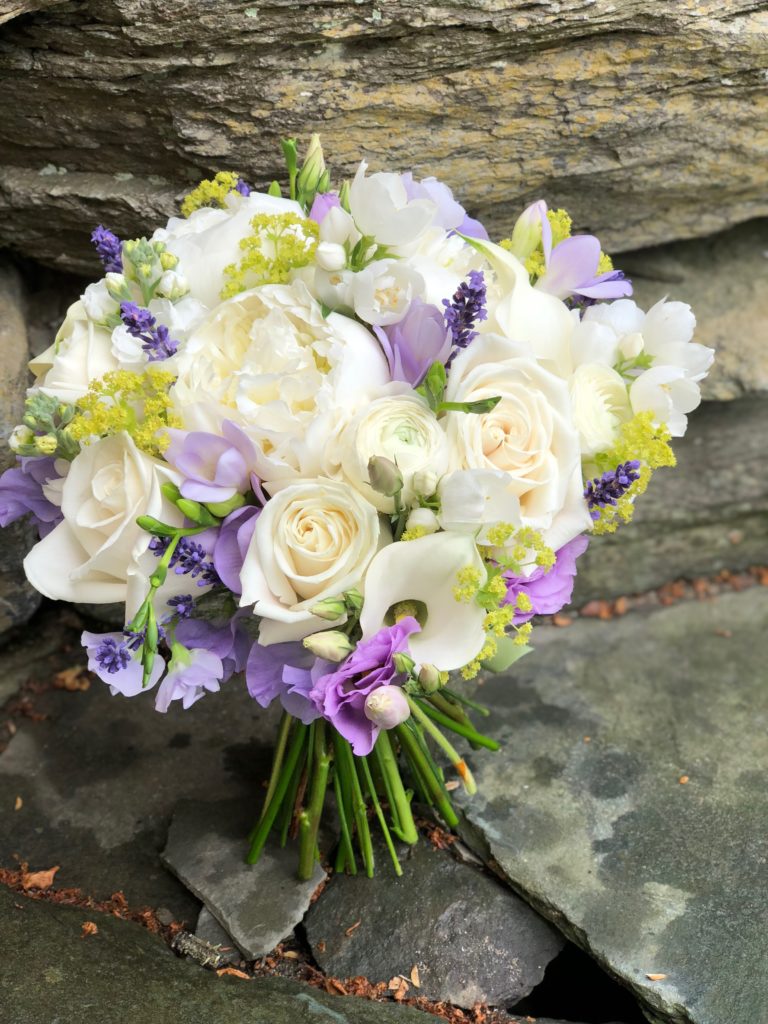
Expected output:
{"points": [[725, 279], [259, 904], [471, 939], [124, 975], [707, 514], [100, 776], [18, 600], [585, 813], [601, 107], [36, 654]]}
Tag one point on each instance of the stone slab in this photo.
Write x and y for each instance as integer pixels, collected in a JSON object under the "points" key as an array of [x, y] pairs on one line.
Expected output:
{"points": [[630, 799], [257, 904], [49, 974]]}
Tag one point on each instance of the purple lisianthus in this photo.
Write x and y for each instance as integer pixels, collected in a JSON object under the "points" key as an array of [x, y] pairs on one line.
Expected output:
{"points": [[110, 658], [414, 343], [21, 494], [232, 544], [451, 215], [322, 205], [341, 694], [549, 590], [286, 672], [215, 468], [191, 674]]}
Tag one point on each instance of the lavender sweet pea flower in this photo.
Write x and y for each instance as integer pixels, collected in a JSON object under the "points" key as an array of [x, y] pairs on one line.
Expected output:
{"points": [[216, 468], [232, 544], [288, 673], [548, 590], [229, 642], [322, 205], [341, 694], [450, 214], [415, 342], [110, 658], [191, 674], [21, 494]]}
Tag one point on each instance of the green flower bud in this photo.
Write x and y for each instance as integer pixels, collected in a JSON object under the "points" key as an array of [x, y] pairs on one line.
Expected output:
{"points": [[430, 678], [331, 608], [332, 645], [312, 169], [384, 476], [403, 662], [47, 444], [196, 512], [220, 509], [354, 599], [275, 190], [168, 261]]}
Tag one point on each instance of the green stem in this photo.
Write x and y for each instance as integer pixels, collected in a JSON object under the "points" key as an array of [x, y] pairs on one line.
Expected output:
{"points": [[346, 854], [260, 833], [405, 827], [359, 810], [428, 770], [365, 768], [289, 801], [277, 761], [309, 820], [481, 709], [454, 711], [445, 744], [462, 730]]}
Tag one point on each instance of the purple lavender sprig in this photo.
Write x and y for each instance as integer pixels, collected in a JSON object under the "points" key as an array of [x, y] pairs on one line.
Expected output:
{"points": [[243, 187], [140, 323], [606, 490], [466, 309], [189, 558], [109, 249], [111, 656], [181, 606]]}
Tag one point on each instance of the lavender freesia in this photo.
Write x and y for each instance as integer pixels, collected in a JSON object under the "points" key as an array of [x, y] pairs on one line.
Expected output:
{"points": [[548, 590], [450, 214], [232, 544], [414, 343], [191, 674], [288, 673], [110, 658], [322, 205], [21, 494], [215, 468]]}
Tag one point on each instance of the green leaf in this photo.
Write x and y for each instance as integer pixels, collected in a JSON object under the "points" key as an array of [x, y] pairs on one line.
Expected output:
{"points": [[507, 654], [482, 406]]}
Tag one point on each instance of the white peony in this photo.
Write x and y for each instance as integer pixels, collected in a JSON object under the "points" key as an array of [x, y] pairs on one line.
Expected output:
{"points": [[426, 571], [530, 435], [268, 360], [313, 540], [90, 555], [400, 427], [81, 353]]}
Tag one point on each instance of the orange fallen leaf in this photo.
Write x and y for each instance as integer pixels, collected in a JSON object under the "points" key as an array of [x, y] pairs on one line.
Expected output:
{"points": [[562, 620], [655, 977], [72, 679], [38, 879], [398, 986], [334, 987], [234, 972], [18, 803], [415, 976], [349, 932], [89, 928], [683, 780]]}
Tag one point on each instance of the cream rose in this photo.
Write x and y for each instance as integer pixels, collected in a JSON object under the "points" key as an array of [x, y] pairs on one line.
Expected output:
{"points": [[81, 353], [313, 540], [403, 429], [530, 435], [91, 554]]}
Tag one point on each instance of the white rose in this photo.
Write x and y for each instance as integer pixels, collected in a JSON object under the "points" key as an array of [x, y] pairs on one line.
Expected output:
{"points": [[530, 435], [313, 540], [426, 571], [81, 353], [90, 555], [209, 240], [268, 360], [600, 406], [381, 209], [403, 429]]}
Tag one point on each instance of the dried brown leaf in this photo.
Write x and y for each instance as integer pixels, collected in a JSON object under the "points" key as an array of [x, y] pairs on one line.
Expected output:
{"points": [[38, 879], [89, 928]]}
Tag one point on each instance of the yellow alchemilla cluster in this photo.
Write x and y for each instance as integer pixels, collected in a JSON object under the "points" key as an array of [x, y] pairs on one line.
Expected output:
{"points": [[137, 403], [470, 580], [210, 193], [280, 244], [640, 439], [414, 533], [518, 544]]}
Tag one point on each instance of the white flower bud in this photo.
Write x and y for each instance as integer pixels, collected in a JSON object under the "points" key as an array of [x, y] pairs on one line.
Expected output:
{"points": [[115, 285], [424, 482], [331, 256], [631, 345], [332, 645], [430, 678], [422, 519], [387, 707], [172, 286], [20, 436]]}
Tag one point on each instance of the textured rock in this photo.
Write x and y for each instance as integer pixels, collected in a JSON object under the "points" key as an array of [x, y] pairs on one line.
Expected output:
{"points": [[122, 975], [725, 279], [598, 106], [707, 514], [471, 939], [18, 600], [209, 930], [100, 776], [36, 655], [629, 802], [259, 904]]}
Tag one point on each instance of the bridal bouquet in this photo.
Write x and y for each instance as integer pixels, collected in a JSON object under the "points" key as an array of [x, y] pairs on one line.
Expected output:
{"points": [[340, 442]]}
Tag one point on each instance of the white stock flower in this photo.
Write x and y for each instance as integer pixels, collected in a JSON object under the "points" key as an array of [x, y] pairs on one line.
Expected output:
{"points": [[401, 428], [382, 292], [530, 434], [90, 555], [313, 540], [81, 353], [600, 406], [381, 209], [268, 360], [473, 500], [668, 394], [426, 571]]}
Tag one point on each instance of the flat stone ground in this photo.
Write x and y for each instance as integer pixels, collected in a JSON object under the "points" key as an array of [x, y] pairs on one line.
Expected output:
{"points": [[628, 806]]}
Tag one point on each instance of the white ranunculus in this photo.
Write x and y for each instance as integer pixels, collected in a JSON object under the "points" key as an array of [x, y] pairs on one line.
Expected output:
{"points": [[313, 540], [89, 556], [530, 435], [443, 261], [401, 428], [382, 292], [268, 360], [426, 571], [381, 209], [473, 500], [668, 394], [600, 406], [209, 240], [97, 301], [81, 353]]}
